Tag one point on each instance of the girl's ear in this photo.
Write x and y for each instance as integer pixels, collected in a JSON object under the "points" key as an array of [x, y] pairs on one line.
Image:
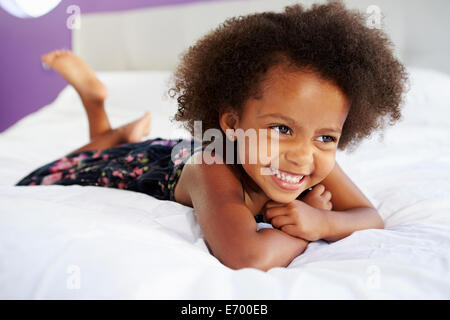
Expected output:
{"points": [[229, 121]]}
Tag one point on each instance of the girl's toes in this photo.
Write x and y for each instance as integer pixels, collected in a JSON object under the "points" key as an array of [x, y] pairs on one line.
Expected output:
{"points": [[48, 58]]}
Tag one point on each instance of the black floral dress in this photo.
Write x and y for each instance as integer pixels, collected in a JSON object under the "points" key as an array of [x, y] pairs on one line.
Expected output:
{"points": [[152, 167]]}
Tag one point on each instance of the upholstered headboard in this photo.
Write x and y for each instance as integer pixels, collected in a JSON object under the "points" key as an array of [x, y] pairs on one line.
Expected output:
{"points": [[154, 38]]}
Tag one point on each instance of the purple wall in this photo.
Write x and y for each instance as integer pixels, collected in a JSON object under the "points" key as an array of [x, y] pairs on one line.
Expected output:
{"points": [[24, 85]]}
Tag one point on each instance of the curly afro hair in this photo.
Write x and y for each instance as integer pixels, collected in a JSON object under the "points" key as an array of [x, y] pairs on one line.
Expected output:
{"points": [[227, 66]]}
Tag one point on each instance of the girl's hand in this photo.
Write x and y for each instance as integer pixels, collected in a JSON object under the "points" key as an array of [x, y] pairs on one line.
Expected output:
{"points": [[297, 219], [318, 198]]}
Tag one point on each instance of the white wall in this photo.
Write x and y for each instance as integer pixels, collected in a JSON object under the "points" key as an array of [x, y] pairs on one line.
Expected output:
{"points": [[154, 38]]}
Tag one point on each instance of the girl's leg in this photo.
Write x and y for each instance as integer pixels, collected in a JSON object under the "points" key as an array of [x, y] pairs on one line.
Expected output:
{"points": [[93, 94], [129, 133], [101, 142], [91, 90]]}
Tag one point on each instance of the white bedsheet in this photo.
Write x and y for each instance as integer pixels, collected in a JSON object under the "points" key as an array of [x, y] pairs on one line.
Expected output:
{"points": [[87, 242]]}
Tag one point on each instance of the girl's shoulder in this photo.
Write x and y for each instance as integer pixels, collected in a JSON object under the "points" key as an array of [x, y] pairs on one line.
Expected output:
{"points": [[199, 171]]}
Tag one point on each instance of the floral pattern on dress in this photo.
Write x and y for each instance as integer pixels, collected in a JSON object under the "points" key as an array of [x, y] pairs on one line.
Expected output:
{"points": [[143, 167]]}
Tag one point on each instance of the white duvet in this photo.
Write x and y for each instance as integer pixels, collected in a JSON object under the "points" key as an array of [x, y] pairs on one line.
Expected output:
{"points": [[73, 242]]}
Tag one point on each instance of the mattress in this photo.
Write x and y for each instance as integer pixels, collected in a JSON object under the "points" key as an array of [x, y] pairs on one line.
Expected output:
{"points": [[75, 242]]}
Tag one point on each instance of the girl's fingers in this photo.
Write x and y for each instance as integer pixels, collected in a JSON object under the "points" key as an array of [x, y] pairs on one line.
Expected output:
{"points": [[327, 195], [279, 221], [271, 213], [319, 189], [316, 190]]}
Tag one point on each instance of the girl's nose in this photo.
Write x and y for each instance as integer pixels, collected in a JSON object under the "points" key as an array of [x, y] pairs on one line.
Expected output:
{"points": [[301, 155]]}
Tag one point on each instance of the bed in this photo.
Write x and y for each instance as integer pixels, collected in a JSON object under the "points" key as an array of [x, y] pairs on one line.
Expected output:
{"points": [[74, 242]]}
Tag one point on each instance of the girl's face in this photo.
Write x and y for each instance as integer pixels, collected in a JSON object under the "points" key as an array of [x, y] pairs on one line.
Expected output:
{"points": [[308, 114]]}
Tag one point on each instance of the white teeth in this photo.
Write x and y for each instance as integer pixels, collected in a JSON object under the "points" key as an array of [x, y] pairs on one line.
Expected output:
{"points": [[285, 177]]}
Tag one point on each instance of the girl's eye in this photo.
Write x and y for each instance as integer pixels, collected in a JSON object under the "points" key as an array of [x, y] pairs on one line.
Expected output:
{"points": [[331, 139], [282, 128]]}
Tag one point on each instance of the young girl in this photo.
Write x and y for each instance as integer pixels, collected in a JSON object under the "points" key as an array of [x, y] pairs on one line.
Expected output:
{"points": [[316, 80]]}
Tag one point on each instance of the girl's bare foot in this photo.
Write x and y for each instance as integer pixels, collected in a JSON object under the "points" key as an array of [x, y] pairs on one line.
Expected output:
{"points": [[136, 130], [78, 74]]}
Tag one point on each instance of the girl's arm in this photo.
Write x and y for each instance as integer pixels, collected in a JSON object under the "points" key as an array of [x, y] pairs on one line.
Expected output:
{"points": [[228, 225], [343, 223], [280, 248], [312, 218], [351, 211]]}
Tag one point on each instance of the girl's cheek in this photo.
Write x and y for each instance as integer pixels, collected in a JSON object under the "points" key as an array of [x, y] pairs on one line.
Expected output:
{"points": [[267, 150], [263, 151], [323, 168], [249, 154]]}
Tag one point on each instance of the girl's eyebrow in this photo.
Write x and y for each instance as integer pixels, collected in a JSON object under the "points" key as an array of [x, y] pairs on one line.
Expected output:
{"points": [[292, 122]]}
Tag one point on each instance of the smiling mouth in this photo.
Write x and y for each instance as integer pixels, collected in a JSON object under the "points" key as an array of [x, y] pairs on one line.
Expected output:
{"points": [[287, 176], [287, 181]]}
